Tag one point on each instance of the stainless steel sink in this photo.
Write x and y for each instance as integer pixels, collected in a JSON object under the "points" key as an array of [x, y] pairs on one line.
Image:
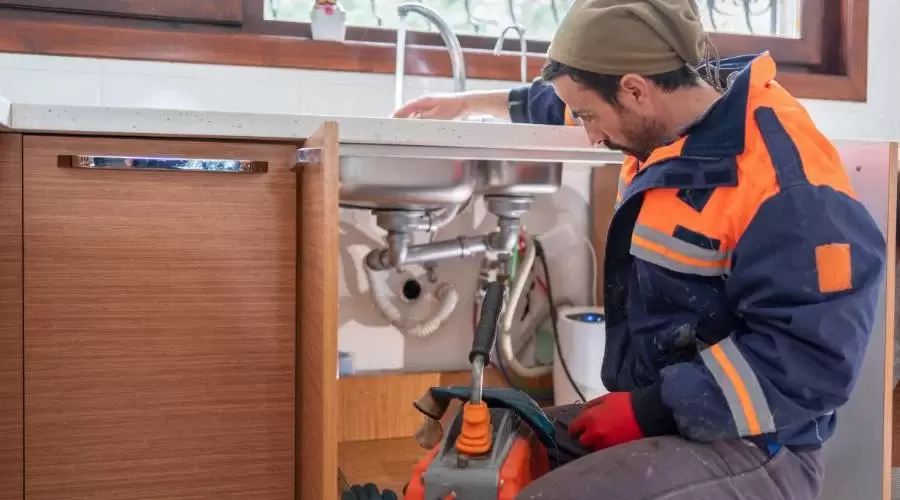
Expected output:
{"points": [[390, 178], [517, 178], [418, 184], [405, 183]]}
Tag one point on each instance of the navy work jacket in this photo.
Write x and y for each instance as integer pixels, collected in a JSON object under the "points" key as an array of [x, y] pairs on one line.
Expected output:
{"points": [[741, 272]]}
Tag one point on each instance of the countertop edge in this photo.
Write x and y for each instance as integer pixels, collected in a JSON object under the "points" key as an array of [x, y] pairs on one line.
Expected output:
{"points": [[475, 139], [361, 130]]}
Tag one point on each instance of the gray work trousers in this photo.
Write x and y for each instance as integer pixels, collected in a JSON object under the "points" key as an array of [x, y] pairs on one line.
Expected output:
{"points": [[672, 468]]}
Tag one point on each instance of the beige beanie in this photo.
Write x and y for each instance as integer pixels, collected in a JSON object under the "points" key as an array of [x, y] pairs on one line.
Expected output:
{"points": [[617, 37]]}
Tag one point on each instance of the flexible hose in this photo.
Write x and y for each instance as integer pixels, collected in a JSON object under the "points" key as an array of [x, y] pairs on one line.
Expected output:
{"points": [[448, 299], [523, 274], [445, 293]]}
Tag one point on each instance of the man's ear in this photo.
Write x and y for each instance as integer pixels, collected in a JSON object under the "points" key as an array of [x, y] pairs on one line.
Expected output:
{"points": [[634, 88]]}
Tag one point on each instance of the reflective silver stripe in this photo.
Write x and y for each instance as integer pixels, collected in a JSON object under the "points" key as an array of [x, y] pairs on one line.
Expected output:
{"points": [[679, 267], [682, 247], [623, 186], [722, 259], [747, 383]]}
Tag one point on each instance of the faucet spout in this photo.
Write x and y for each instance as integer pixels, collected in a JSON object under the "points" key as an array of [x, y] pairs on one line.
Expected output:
{"points": [[457, 62], [523, 47]]}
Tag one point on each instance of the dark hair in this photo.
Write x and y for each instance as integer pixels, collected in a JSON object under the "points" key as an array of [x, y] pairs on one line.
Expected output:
{"points": [[608, 85]]}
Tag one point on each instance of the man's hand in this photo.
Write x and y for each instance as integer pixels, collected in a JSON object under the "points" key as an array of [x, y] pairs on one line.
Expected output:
{"points": [[606, 421], [435, 107], [454, 106]]}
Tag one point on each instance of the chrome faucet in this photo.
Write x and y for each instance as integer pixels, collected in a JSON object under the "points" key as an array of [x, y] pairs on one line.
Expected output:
{"points": [[518, 28], [457, 63]]}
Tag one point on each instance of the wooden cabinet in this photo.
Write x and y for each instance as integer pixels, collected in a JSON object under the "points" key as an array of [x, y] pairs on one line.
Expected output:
{"points": [[167, 333], [159, 323], [11, 398]]}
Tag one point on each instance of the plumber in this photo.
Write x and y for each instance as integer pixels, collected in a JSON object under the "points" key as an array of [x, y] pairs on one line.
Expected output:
{"points": [[742, 272]]}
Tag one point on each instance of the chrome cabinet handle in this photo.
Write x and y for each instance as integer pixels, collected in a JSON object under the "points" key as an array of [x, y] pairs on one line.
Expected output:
{"points": [[154, 163]]}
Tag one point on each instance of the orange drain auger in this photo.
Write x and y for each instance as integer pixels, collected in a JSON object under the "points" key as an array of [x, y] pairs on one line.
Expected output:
{"points": [[488, 453]]}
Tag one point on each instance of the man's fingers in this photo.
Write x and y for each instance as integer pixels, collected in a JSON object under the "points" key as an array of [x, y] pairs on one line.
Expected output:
{"points": [[578, 425], [586, 440], [412, 108], [433, 113]]}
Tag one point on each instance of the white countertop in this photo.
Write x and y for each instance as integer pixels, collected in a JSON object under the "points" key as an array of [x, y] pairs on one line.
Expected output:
{"points": [[562, 143]]}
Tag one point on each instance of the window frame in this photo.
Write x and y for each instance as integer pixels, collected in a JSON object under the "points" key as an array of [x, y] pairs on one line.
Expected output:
{"points": [[812, 66]]}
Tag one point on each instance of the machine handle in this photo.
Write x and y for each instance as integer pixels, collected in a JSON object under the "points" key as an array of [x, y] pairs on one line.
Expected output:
{"points": [[486, 331]]}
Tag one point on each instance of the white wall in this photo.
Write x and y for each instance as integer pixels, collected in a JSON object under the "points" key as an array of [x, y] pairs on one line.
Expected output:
{"points": [[26, 78]]}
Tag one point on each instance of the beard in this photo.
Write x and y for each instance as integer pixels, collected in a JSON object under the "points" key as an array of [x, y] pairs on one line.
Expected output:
{"points": [[642, 136]]}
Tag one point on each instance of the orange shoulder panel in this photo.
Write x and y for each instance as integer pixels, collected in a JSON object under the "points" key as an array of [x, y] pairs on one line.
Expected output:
{"points": [[757, 175]]}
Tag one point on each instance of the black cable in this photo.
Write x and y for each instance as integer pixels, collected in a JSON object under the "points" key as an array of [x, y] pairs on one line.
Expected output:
{"points": [[554, 316]]}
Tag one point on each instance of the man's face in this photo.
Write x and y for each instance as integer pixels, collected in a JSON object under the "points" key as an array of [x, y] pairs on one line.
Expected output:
{"points": [[632, 126]]}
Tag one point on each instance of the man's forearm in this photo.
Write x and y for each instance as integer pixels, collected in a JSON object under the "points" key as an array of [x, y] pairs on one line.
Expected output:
{"points": [[488, 102], [535, 103]]}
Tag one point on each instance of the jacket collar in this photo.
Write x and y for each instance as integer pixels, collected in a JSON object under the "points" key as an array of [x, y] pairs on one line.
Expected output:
{"points": [[720, 131]]}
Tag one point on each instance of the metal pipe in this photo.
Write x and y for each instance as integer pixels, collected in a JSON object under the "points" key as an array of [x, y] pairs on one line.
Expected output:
{"points": [[398, 247], [381, 259], [457, 63], [477, 387], [523, 47], [505, 239], [399, 253]]}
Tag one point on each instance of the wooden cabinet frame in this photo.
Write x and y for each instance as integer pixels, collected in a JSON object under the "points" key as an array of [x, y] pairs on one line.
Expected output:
{"points": [[316, 396]]}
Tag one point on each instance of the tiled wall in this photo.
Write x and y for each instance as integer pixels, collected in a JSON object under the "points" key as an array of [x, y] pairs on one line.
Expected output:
{"points": [[111, 82], [243, 89]]}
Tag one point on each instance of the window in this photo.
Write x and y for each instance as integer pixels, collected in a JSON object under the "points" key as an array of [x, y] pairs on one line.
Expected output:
{"points": [[276, 33], [541, 17]]}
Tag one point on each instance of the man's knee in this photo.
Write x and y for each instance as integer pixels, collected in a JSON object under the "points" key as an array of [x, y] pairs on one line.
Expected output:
{"points": [[668, 465]]}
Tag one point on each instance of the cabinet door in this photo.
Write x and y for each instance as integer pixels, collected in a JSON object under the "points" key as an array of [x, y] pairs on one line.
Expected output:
{"points": [[10, 316], [159, 322]]}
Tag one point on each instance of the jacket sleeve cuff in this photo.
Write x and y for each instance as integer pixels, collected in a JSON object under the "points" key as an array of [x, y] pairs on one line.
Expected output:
{"points": [[518, 104], [652, 415]]}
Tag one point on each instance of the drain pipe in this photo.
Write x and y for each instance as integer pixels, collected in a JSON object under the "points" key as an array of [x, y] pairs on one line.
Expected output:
{"points": [[380, 259], [399, 252]]}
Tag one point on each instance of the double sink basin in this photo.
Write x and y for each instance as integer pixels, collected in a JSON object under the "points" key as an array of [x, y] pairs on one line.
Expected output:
{"points": [[421, 182]]}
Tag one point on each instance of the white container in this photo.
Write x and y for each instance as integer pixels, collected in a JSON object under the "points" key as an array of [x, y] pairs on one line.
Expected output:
{"points": [[582, 339], [328, 21]]}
